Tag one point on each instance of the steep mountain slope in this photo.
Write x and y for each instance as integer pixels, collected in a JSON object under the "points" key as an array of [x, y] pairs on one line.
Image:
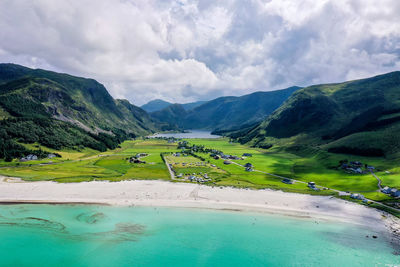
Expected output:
{"points": [[84, 102], [360, 117], [61, 106], [226, 113]]}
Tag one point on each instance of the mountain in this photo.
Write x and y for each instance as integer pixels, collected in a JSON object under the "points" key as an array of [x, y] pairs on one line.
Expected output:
{"points": [[158, 104], [359, 117], [226, 113], [173, 115], [58, 104], [155, 105], [192, 105]]}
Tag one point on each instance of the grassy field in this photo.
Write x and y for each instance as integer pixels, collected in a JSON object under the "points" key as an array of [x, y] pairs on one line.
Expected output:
{"points": [[317, 166], [113, 165], [88, 165]]}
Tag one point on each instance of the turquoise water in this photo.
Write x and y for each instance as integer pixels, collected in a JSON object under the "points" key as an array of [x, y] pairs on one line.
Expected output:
{"points": [[79, 235]]}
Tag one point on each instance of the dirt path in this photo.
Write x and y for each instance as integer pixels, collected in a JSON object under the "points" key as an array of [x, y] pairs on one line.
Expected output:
{"points": [[378, 179], [171, 173]]}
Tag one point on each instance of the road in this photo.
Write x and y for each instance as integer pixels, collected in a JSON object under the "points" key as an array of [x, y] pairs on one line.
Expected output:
{"points": [[379, 180], [171, 172]]}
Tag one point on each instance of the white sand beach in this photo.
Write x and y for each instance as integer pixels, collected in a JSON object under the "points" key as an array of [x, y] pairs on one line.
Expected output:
{"points": [[168, 194]]}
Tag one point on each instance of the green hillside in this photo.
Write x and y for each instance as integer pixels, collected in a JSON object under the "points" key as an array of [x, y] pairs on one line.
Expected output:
{"points": [[75, 112], [359, 117], [225, 113]]}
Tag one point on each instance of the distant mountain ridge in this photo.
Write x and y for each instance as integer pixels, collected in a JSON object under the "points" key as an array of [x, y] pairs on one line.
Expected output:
{"points": [[225, 113], [155, 105], [158, 104]]}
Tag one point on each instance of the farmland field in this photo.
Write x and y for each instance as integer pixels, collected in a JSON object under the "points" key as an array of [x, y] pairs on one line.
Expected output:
{"points": [[114, 165]]}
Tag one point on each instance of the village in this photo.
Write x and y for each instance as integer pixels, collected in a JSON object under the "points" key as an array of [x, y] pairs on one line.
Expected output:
{"points": [[189, 164], [357, 167], [32, 157]]}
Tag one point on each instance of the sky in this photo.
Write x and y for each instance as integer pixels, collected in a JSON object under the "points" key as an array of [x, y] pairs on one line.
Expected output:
{"points": [[183, 51]]}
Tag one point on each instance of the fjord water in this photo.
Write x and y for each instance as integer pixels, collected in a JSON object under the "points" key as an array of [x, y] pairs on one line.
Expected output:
{"points": [[87, 235], [189, 134]]}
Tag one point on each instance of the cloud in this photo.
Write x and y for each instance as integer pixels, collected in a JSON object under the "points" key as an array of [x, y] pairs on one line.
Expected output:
{"points": [[187, 50]]}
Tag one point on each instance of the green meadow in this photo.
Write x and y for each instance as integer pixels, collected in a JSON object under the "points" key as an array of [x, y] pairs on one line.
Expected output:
{"points": [[113, 165], [86, 165], [318, 166]]}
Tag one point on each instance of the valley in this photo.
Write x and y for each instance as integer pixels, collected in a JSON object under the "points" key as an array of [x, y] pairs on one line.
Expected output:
{"points": [[268, 168], [333, 139]]}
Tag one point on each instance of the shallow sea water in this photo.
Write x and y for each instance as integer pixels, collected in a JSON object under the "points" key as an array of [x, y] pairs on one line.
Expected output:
{"points": [[90, 235]]}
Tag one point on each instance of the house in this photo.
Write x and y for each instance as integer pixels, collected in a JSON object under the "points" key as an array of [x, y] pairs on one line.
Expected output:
{"points": [[247, 155], [312, 186], [287, 181], [248, 165], [395, 192], [29, 157], [227, 162], [136, 160], [386, 190], [50, 156], [355, 170], [249, 169], [358, 170], [345, 166], [357, 196]]}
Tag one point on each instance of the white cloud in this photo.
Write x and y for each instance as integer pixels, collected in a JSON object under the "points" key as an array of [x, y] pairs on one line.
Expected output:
{"points": [[187, 50]]}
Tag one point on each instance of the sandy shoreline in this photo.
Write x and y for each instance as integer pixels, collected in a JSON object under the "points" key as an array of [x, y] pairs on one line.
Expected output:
{"points": [[167, 194]]}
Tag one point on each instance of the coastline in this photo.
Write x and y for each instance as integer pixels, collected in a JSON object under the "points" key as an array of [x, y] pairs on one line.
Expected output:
{"points": [[154, 193]]}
